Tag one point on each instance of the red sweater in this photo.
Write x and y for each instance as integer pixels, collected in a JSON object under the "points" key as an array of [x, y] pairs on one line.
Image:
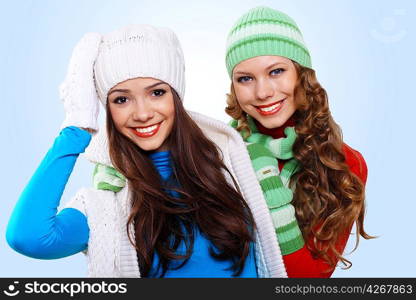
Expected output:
{"points": [[301, 263]]}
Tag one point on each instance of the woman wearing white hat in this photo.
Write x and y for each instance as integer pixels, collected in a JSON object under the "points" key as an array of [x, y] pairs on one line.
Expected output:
{"points": [[181, 213]]}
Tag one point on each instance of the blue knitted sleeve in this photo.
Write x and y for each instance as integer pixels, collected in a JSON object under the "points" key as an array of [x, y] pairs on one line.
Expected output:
{"points": [[35, 229]]}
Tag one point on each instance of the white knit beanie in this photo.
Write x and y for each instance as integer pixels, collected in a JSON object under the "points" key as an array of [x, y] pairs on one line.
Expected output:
{"points": [[139, 51]]}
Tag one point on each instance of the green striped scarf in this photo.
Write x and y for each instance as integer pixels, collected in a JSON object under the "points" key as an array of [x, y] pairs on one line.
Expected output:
{"points": [[263, 151], [108, 178]]}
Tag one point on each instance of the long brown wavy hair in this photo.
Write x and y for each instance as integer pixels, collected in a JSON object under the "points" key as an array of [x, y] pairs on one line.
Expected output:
{"points": [[162, 221], [328, 197]]}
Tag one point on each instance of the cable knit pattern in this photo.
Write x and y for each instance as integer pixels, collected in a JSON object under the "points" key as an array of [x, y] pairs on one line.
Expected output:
{"points": [[78, 91], [99, 208], [109, 250]]}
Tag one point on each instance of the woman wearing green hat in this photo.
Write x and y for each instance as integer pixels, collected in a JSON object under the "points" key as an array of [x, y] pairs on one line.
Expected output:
{"points": [[312, 182]]}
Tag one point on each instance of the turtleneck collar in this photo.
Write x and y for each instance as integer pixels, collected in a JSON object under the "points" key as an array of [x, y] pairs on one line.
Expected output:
{"points": [[275, 132], [163, 163]]}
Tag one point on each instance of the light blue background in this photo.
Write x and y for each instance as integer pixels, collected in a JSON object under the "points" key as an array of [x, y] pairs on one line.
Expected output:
{"points": [[363, 52]]}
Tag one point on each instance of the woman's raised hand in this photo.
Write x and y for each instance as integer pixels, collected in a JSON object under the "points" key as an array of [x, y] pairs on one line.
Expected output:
{"points": [[78, 91]]}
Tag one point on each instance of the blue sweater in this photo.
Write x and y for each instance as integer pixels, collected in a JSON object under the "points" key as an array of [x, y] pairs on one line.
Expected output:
{"points": [[36, 230]]}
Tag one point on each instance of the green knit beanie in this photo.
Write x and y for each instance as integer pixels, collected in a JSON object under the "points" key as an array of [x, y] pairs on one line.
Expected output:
{"points": [[265, 31]]}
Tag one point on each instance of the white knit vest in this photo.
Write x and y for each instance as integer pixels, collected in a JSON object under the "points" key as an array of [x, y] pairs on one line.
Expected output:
{"points": [[110, 253]]}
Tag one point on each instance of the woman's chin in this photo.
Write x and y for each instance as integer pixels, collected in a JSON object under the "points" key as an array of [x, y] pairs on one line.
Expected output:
{"points": [[150, 146], [271, 123]]}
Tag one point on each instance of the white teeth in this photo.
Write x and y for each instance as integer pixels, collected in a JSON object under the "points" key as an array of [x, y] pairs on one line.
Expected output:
{"points": [[147, 129], [270, 108]]}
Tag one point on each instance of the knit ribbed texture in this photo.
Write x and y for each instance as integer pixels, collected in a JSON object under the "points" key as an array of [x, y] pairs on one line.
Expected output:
{"points": [[101, 217], [78, 91], [263, 151], [265, 31], [139, 51], [269, 260]]}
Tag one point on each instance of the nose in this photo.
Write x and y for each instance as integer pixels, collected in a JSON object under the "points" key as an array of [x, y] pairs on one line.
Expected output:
{"points": [[264, 89], [143, 111]]}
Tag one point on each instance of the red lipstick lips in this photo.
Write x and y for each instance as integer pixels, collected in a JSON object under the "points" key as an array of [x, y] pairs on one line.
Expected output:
{"points": [[148, 131], [270, 109]]}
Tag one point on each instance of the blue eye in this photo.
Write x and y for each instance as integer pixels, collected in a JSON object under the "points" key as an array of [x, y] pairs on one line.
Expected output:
{"points": [[120, 100], [244, 79], [277, 71], [158, 93]]}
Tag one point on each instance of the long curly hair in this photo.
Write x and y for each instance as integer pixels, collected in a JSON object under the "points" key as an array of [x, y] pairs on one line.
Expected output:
{"points": [[328, 197], [206, 200]]}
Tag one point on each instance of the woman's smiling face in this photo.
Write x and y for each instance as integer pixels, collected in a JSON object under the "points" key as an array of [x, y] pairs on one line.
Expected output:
{"points": [[143, 110], [265, 88]]}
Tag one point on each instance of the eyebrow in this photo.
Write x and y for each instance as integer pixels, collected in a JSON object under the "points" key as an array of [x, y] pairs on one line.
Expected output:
{"points": [[118, 90], [154, 85], [128, 91], [269, 67]]}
